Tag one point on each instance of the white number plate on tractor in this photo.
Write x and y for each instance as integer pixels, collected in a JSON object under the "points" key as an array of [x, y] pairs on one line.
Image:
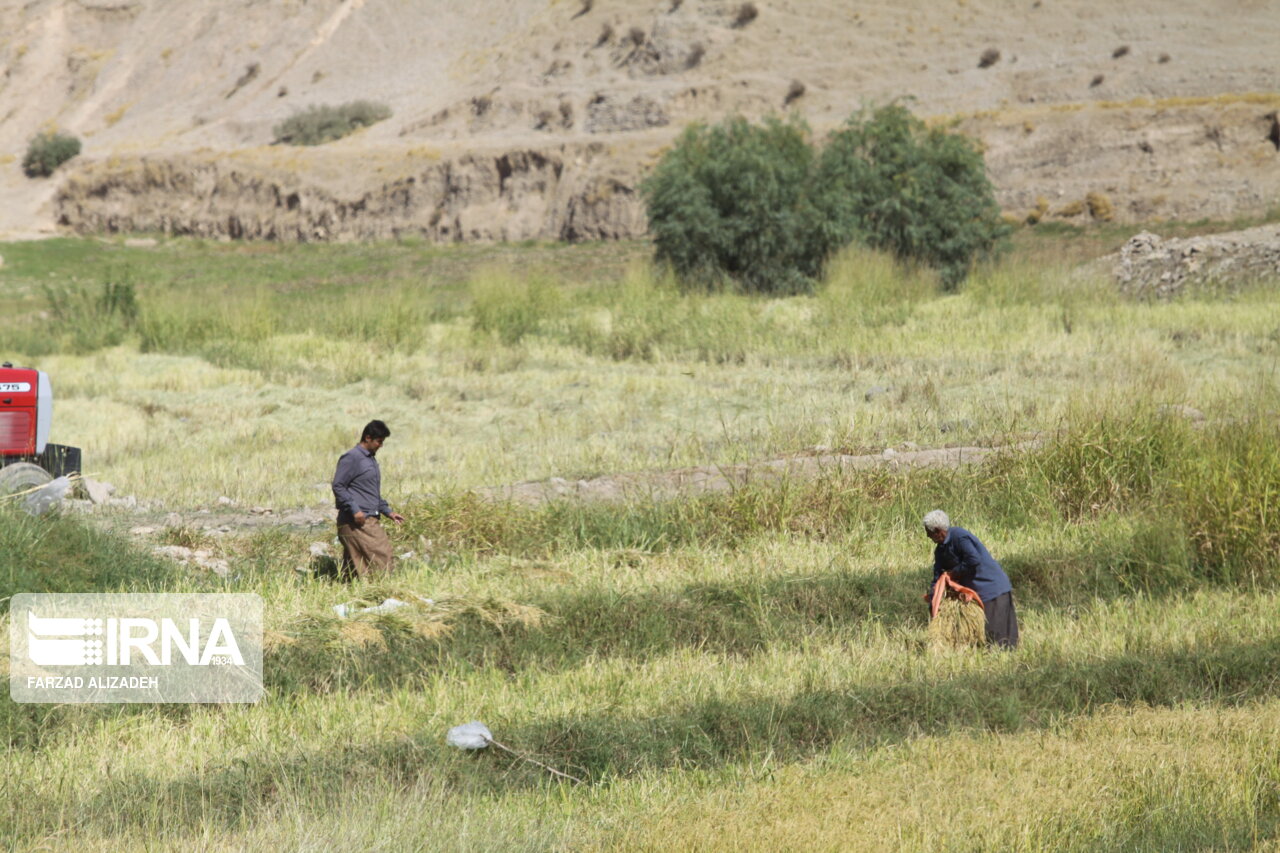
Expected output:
{"points": [[15, 387]]}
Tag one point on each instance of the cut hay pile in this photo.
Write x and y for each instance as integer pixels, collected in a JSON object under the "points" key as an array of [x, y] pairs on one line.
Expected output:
{"points": [[368, 623], [958, 625]]}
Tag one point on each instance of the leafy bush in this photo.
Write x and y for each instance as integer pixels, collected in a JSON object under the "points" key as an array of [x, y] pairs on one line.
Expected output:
{"points": [[757, 206], [47, 151], [920, 193], [732, 203], [319, 124]]}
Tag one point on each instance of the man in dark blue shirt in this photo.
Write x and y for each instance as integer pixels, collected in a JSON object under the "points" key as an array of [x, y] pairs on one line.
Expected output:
{"points": [[357, 494], [962, 555]]}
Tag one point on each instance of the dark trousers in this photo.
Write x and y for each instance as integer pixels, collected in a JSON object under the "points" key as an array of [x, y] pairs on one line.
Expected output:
{"points": [[1002, 621]]}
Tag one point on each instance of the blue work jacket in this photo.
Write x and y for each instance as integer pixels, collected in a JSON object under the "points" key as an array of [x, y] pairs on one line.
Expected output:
{"points": [[970, 564]]}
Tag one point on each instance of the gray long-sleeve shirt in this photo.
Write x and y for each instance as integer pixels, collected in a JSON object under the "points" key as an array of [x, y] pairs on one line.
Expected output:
{"points": [[357, 485]]}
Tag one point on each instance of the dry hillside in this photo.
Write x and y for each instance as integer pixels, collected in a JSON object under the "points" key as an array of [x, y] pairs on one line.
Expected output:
{"points": [[517, 119]]}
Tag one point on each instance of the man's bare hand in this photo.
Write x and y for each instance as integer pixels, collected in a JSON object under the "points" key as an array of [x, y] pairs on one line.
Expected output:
{"points": [[359, 518], [396, 517]]}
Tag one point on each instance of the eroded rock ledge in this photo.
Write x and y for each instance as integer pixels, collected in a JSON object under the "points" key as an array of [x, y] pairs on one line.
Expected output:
{"points": [[561, 193]]}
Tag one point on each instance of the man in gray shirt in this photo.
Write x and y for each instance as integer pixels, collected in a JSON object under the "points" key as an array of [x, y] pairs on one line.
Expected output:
{"points": [[357, 493]]}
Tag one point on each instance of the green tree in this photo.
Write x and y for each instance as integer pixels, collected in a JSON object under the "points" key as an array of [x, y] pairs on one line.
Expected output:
{"points": [[47, 151], [920, 193], [732, 203]]}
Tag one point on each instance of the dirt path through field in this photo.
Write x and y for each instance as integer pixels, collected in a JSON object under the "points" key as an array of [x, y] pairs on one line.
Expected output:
{"points": [[144, 519], [711, 479]]}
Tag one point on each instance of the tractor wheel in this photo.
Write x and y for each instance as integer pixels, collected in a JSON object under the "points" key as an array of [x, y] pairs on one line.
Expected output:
{"points": [[21, 476]]}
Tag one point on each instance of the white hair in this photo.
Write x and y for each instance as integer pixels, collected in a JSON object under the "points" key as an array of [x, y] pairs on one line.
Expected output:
{"points": [[936, 520]]}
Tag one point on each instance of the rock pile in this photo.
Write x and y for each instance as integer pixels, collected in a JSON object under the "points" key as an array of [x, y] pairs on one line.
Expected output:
{"points": [[1149, 266]]}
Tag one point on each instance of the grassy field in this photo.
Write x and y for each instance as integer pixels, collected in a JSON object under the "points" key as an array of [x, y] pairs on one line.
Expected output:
{"points": [[190, 370], [737, 671]]}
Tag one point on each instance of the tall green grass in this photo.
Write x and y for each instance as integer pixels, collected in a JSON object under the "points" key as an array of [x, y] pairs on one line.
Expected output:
{"points": [[677, 653], [741, 670], [65, 554], [1207, 496]]}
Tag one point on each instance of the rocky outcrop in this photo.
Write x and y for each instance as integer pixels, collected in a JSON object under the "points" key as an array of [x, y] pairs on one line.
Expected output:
{"points": [[1184, 161], [565, 193], [1182, 125], [1188, 159], [1149, 266]]}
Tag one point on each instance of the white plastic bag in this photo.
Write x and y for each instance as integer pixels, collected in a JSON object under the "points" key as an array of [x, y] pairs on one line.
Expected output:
{"points": [[47, 496], [472, 735], [388, 605]]}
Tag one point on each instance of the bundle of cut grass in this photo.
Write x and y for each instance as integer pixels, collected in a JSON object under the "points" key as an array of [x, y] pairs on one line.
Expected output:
{"points": [[958, 624]]}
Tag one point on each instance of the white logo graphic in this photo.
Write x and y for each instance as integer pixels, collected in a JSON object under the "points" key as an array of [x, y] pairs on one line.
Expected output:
{"points": [[47, 644], [135, 647], [43, 649]]}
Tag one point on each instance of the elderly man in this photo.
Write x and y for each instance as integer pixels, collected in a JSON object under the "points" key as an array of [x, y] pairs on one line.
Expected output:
{"points": [[963, 555], [357, 493]]}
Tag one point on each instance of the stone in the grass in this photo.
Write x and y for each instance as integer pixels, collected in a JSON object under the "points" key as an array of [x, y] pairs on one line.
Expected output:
{"points": [[96, 491]]}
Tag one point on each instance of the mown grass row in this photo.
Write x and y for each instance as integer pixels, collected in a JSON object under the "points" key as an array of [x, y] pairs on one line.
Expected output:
{"points": [[696, 721], [1109, 508]]}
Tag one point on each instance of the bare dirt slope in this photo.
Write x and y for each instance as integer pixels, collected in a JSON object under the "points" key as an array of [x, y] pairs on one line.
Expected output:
{"points": [[522, 119]]}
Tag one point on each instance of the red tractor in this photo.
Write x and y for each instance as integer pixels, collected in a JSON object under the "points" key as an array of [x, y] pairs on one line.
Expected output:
{"points": [[27, 459]]}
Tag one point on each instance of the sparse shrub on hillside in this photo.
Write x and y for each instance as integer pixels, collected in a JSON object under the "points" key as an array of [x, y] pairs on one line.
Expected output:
{"points": [[251, 72], [1099, 206], [695, 55], [636, 36], [746, 13], [1071, 208], [587, 6], [989, 57], [606, 35], [920, 193], [319, 124], [1164, 57], [732, 203], [1122, 50], [794, 92], [1041, 210], [1097, 81], [47, 151]]}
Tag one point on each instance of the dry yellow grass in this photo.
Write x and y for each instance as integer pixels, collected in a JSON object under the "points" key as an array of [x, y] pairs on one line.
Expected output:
{"points": [[957, 625]]}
